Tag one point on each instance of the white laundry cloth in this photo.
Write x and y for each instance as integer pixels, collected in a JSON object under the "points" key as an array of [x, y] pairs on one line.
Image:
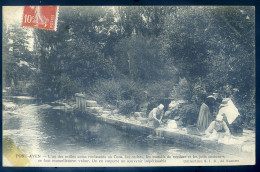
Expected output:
{"points": [[230, 111], [172, 124]]}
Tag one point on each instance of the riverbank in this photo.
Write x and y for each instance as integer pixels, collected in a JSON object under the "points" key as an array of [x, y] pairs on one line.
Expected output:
{"points": [[44, 129], [235, 145], [243, 145]]}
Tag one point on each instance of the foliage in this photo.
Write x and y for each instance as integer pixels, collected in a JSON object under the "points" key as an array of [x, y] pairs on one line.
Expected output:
{"points": [[104, 91], [17, 59], [126, 55], [127, 107], [189, 113], [116, 91]]}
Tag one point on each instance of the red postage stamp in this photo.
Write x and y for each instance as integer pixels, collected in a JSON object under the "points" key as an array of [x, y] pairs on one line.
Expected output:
{"points": [[42, 17]]}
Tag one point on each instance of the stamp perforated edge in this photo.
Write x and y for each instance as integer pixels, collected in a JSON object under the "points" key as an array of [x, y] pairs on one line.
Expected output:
{"points": [[56, 19]]}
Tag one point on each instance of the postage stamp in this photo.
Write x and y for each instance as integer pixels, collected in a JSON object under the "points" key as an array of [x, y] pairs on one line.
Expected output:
{"points": [[42, 17]]}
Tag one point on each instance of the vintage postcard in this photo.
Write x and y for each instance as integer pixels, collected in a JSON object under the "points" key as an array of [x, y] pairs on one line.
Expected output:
{"points": [[103, 86]]}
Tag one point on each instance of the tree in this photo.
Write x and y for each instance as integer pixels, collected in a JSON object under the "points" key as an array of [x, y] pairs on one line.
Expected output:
{"points": [[17, 59]]}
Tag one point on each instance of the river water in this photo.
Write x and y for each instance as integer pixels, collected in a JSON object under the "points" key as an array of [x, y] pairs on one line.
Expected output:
{"points": [[44, 129]]}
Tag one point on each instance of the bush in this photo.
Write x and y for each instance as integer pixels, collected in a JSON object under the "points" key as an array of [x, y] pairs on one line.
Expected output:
{"points": [[55, 87], [126, 107], [189, 113], [114, 91], [248, 114], [160, 89], [104, 91]]}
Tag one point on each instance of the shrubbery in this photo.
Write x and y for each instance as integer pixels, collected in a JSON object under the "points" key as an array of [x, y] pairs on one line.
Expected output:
{"points": [[188, 113], [127, 107], [117, 92]]}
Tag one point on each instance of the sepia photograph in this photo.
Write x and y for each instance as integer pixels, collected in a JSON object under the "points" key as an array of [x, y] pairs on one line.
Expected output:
{"points": [[128, 86]]}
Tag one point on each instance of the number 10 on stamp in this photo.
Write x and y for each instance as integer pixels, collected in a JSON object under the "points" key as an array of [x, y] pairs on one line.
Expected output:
{"points": [[42, 17]]}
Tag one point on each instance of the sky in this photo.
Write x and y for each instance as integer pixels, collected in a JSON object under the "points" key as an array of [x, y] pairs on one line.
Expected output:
{"points": [[14, 15]]}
